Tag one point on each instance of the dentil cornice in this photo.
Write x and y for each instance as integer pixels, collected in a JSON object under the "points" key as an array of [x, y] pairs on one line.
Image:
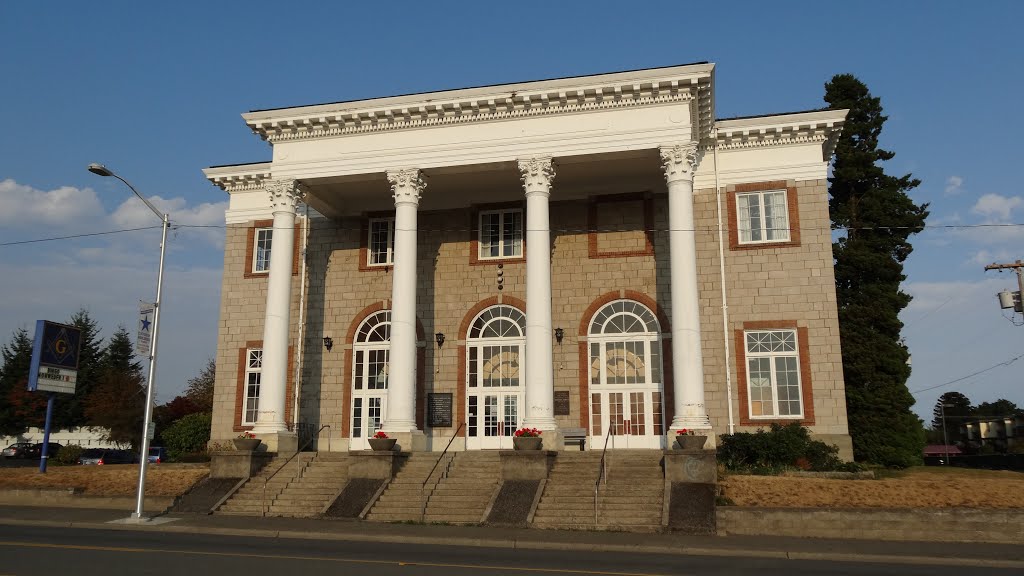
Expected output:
{"points": [[678, 161], [537, 174], [284, 194], [406, 185]]}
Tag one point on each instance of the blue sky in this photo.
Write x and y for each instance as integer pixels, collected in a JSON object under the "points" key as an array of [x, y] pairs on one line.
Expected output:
{"points": [[155, 91]]}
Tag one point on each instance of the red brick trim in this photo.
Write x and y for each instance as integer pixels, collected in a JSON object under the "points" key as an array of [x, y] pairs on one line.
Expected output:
{"points": [[250, 246], [584, 369], [460, 392], [346, 394], [640, 297], [791, 206], [474, 233], [668, 405], [806, 389], [648, 208], [289, 391], [364, 239]]}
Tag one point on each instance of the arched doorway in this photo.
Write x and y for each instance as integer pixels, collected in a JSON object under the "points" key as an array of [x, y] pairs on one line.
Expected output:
{"points": [[370, 353], [494, 392]]}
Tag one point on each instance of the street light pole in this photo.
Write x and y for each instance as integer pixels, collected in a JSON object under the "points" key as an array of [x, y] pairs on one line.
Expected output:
{"points": [[101, 170], [945, 439]]}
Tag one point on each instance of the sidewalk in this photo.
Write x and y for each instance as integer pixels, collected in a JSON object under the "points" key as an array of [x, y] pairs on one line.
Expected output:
{"points": [[988, 555]]}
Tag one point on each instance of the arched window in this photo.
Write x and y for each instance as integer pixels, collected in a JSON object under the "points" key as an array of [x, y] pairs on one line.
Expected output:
{"points": [[495, 345], [370, 353], [626, 381]]}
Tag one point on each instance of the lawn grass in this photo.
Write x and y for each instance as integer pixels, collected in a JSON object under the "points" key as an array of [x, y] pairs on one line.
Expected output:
{"points": [[110, 480]]}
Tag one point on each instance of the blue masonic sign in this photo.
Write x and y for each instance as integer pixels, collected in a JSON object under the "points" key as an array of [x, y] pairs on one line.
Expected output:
{"points": [[60, 346]]}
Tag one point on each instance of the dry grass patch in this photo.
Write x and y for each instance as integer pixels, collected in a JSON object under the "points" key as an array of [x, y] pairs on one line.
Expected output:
{"points": [[111, 480], [922, 487]]}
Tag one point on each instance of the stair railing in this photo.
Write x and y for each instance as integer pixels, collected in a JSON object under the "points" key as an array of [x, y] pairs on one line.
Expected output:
{"points": [[298, 466], [423, 486], [602, 471]]}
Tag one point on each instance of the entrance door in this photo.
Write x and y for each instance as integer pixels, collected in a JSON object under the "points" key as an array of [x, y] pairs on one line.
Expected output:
{"points": [[632, 417], [370, 353], [493, 392], [367, 418]]}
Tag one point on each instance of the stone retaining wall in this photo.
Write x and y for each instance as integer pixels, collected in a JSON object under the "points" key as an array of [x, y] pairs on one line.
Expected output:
{"points": [[70, 498], [945, 525]]}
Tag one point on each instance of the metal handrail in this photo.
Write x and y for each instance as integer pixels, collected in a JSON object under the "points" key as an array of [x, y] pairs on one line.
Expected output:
{"points": [[423, 486], [298, 469], [602, 472]]}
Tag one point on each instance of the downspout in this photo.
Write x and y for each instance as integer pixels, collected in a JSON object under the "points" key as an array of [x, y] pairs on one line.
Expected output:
{"points": [[725, 301], [302, 324]]}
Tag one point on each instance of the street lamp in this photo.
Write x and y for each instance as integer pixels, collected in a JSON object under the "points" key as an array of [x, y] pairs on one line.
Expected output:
{"points": [[945, 440], [101, 170]]}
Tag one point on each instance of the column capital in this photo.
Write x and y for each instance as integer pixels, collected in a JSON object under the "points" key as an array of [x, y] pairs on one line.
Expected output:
{"points": [[285, 195], [406, 185], [678, 161], [537, 174]]}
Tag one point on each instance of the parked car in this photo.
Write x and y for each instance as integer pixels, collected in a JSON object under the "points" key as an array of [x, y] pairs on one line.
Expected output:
{"points": [[157, 454], [103, 456], [18, 450], [37, 450]]}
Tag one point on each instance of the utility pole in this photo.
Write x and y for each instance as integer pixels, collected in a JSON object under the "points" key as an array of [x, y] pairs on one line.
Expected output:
{"points": [[1006, 298]]}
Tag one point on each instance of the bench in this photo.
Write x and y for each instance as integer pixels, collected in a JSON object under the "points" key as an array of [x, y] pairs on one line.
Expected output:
{"points": [[575, 436]]}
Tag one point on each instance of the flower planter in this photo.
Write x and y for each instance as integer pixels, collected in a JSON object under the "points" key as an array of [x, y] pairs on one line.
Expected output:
{"points": [[249, 444], [382, 444], [687, 442], [526, 442]]}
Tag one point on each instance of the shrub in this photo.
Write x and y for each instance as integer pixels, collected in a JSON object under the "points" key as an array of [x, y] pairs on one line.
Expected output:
{"points": [[187, 435], [781, 447], [68, 455]]}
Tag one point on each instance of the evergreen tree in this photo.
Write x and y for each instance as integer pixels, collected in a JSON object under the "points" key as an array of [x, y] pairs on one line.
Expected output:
{"points": [[878, 217], [118, 399], [957, 409], [200, 388], [19, 408], [1001, 408], [69, 410], [119, 355]]}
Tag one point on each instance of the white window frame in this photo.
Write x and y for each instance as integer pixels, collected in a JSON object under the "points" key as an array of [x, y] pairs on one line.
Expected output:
{"points": [[504, 222], [253, 369], [389, 252], [779, 231], [373, 337], [773, 356], [266, 234]]}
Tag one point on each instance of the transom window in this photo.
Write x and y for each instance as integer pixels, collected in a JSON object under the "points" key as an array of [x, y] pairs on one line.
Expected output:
{"points": [[501, 234], [253, 374], [623, 345], [496, 341], [371, 350], [773, 374], [381, 242], [762, 217], [261, 249]]}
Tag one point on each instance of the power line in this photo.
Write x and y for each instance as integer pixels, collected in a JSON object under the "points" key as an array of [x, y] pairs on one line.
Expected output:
{"points": [[18, 242], [1004, 363]]}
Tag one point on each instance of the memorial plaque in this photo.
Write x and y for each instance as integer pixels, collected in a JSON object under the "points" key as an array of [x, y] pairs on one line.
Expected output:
{"points": [[561, 402], [439, 409]]}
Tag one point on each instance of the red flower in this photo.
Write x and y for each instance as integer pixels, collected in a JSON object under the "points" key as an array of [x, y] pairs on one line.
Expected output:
{"points": [[380, 435], [528, 433]]}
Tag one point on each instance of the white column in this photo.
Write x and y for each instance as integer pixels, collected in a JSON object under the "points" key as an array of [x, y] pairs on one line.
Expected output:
{"points": [[537, 174], [401, 411], [687, 365], [284, 197]]}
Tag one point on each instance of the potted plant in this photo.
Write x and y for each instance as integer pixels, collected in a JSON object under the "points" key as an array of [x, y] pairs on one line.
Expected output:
{"points": [[689, 440], [381, 443], [527, 439], [246, 441]]}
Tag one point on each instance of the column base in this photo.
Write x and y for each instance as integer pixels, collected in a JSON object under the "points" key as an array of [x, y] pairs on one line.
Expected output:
{"points": [[284, 443], [410, 441]]}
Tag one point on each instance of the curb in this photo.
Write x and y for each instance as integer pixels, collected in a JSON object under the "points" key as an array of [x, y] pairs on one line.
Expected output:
{"points": [[532, 544]]}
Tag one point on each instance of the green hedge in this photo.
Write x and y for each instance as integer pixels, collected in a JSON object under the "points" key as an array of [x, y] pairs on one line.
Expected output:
{"points": [[68, 455], [782, 447], [187, 435]]}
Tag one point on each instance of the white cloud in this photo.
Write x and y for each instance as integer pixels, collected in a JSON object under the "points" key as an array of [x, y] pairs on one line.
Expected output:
{"points": [[954, 185], [997, 207], [25, 207]]}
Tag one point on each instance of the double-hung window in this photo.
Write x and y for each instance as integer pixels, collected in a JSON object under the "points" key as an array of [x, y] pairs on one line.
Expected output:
{"points": [[381, 242], [773, 374], [762, 217], [501, 234], [253, 375], [261, 250]]}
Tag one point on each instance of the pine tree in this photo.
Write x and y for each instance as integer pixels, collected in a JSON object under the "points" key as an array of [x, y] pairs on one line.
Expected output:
{"points": [[878, 218], [19, 408], [69, 410], [957, 409], [200, 388], [118, 399]]}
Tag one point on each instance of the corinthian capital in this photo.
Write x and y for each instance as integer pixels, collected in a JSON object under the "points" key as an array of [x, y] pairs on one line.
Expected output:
{"points": [[679, 161], [406, 185], [537, 174], [284, 194]]}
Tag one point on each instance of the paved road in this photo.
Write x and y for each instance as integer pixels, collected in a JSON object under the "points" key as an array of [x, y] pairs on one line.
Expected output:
{"points": [[32, 550]]}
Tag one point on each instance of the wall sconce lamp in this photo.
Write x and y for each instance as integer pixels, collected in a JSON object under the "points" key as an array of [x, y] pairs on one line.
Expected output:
{"points": [[559, 334], [328, 343], [439, 337]]}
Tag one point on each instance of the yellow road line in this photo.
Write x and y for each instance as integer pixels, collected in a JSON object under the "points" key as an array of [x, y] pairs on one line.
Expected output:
{"points": [[314, 559]]}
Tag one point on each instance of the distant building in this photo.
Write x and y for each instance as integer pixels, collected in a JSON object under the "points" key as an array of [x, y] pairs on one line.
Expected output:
{"points": [[1003, 434], [558, 254], [86, 437]]}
